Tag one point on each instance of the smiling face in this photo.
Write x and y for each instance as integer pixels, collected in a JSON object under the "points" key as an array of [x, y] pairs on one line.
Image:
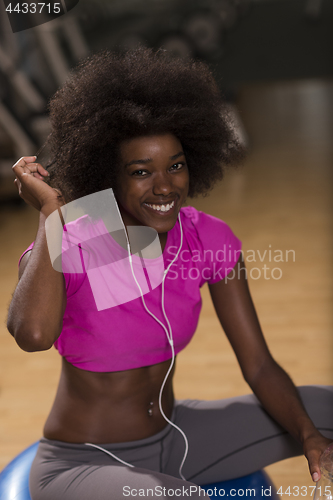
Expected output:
{"points": [[153, 181]]}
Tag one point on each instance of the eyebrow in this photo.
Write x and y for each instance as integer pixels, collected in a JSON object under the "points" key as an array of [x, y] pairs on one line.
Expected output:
{"points": [[148, 160]]}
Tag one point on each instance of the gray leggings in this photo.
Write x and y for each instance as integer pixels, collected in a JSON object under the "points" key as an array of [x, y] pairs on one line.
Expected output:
{"points": [[227, 439]]}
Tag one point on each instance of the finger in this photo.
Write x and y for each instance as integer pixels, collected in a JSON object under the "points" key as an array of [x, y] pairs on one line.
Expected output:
{"points": [[22, 162], [19, 188], [37, 168], [34, 169], [20, 168], [316, 476], [37, 175], [25, 159], [17, 184], [313, 459], [42, 170], [38, 171], [27, 164]]}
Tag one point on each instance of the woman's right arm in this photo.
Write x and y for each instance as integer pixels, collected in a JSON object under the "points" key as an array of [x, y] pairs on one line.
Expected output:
{"points": [[36, 311]]}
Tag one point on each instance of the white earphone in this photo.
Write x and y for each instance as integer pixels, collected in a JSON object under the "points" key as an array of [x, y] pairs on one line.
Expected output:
{"points": [[168, 333]]}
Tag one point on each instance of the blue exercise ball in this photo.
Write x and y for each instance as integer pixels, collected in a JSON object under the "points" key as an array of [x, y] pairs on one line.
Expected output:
{"points": [[14, 479], [255, 485]]}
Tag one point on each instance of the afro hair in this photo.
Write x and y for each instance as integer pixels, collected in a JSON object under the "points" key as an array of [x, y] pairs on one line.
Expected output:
{"points": [[112, 97]]}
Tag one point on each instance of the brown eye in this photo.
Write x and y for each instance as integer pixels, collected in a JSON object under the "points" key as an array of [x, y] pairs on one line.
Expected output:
{"points": [[178, 166], [139, 173]]}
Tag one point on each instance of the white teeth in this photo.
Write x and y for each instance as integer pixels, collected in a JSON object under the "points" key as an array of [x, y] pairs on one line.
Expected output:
{"points": [[161, 208]]}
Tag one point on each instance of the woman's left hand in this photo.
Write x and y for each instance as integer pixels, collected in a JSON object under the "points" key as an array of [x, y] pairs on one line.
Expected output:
{"points": [[313, 446]]}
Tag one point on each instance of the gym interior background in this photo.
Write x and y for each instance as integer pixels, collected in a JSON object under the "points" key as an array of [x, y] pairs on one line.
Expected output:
{"points": [[274, 63]]}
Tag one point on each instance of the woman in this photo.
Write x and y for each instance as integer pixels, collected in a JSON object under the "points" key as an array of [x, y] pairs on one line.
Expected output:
{"points": [[155, 131]]}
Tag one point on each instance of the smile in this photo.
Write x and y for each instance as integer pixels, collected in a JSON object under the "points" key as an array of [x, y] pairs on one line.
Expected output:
{"points": [[161, 208]]}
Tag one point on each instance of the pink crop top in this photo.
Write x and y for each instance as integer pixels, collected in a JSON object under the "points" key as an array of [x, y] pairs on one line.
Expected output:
{"points": [[126, 336]]}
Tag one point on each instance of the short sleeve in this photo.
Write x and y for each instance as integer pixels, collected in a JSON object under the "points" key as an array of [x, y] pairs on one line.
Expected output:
{"points": [[30, 247], [220, 247], [73, 281]]}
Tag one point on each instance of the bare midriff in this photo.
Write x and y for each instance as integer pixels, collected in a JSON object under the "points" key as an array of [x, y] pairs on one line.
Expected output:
{"points": [[109, 407]]}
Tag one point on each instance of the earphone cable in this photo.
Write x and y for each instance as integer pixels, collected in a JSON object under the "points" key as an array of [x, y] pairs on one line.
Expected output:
{"points": [[170, 339], [168, 334]]}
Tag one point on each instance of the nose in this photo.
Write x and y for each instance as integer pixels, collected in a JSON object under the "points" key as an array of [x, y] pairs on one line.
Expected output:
{"points": [[162, 185]]}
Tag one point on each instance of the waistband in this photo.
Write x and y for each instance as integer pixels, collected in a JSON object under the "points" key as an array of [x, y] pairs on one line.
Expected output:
{"points": [[115, 446]]}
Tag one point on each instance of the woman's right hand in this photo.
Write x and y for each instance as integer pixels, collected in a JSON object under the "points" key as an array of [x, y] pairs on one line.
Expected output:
{"points": [[31, 186]]}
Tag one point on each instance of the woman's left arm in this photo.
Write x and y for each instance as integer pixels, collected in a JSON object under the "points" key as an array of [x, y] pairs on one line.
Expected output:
{"points": [[269, 382]]}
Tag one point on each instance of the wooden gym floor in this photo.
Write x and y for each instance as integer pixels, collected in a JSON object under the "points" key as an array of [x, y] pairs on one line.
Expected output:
{"points": [[279, 205]]}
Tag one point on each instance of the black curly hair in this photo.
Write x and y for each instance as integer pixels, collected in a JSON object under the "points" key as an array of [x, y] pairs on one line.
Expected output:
{"points": [[111, 97]]}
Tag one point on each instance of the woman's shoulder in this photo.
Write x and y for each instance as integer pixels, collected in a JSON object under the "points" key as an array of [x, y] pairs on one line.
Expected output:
{"points": [[204, 223], [218, 246], [210, 232]]}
